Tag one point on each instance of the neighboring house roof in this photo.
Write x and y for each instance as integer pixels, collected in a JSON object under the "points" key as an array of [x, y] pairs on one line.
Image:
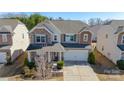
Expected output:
{"points": [[121, 47], [69, 26], [119, 29], [95, 29], [74, 45], [8, 25], [117, 25]]}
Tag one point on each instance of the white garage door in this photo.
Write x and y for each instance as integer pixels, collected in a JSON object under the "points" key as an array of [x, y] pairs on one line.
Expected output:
{"points": [[76, 55], [2, 57]]}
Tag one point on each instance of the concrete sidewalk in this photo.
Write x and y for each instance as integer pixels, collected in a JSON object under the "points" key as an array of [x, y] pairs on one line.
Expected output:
{"points": [[82, 72]]}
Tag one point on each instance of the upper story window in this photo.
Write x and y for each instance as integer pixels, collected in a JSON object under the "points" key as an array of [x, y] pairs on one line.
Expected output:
{"points": [[40, 38], [55, 37], [123, 39], [85, 37], [102, 48], [4, 37], [70, 38], [106, 36], [23, 36]]}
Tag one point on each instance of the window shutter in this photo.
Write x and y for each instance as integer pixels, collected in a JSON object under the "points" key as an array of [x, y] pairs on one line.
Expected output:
{"points": [[34, 38], [47, 38], [75, 37], [64, 37]]}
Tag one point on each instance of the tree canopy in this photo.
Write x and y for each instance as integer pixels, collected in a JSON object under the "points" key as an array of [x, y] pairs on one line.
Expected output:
{"points": [[32, 20]]}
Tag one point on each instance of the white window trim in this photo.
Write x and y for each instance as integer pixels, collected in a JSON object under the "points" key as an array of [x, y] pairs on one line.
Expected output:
{"points": [[122, 39], [84, 37], [4, 38], [71, 34], [56, 37], [40, 38]]}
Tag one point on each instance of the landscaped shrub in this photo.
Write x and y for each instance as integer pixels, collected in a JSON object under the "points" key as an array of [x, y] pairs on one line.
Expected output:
{"points": [[60, 64], [91, 58], [26, 62], [29, 64], [120, 64], [9, 62]]}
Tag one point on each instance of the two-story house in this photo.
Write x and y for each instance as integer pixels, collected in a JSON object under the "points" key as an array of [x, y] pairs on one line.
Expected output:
{"points": [[110, 40], [14, 39], [68, 40]]}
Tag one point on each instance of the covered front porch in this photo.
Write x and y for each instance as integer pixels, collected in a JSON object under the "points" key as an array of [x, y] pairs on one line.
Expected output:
{"points": [[54, 53]]}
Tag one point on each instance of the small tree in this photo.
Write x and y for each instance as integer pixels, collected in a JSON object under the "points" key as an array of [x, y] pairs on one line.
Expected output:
{"points": [[91, 58], [30, 65], [60, 64], [120, 64], [43, 68], [29, 68]]}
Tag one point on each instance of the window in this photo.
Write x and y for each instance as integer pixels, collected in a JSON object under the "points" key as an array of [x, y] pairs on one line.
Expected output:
{"points": [[43, 39], [102, 48], [23, 35], [4, 37], [70, 38], [85, 37], [106, 36], [55, 37], [123, 39], [40, 38]]}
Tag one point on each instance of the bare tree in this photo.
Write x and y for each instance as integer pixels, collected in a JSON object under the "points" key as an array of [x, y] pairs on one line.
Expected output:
{"points": [[99, 21], [91, 22], [43, 68], [60, 18], [107, 21], [95, 21]]}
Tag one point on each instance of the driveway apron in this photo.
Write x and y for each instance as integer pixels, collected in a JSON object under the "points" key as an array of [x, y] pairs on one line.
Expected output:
{"points": [[79, 71]]}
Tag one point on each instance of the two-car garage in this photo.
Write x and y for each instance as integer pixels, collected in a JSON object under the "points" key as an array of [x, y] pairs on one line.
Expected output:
{"points": [[76, 55]]}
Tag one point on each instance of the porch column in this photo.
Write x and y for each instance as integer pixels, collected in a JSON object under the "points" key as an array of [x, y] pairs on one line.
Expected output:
{"points": [[60, 56], [49, 59], [29, 57]]}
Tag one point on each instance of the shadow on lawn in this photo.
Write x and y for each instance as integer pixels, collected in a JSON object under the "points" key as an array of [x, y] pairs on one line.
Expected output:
{"points": [[98, 69]]}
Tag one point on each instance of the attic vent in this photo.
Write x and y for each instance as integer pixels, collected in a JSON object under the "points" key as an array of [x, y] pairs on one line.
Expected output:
{"points": [[120, 28]]}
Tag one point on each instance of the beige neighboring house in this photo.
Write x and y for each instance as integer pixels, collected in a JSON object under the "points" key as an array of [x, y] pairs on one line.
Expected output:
{"points": [[110, 40], [14, 39], [94, 30], [67, 40]]}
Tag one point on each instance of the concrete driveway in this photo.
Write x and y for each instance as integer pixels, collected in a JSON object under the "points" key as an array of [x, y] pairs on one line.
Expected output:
{"points": [[79, 71]]}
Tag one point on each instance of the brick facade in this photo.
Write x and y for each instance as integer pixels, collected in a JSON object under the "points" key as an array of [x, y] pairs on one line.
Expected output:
{"points": [[81, 35], [9, 40]]}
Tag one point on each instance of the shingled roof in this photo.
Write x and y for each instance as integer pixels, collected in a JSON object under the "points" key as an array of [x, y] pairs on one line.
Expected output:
{"points": [[69, 26], [117, 25], [7, 24]]}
